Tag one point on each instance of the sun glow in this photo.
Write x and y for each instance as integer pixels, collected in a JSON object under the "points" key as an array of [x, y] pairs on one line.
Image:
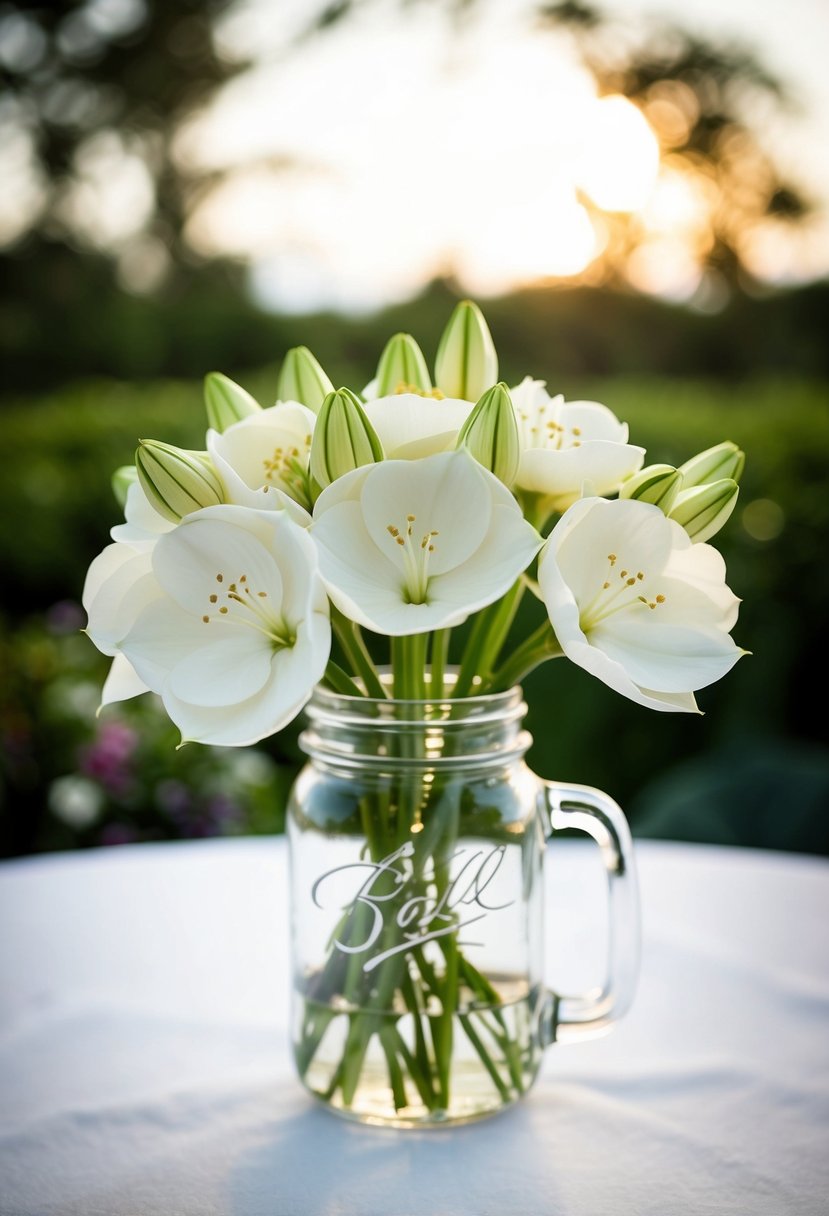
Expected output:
{"points": [[620, 157], [491, 164]]}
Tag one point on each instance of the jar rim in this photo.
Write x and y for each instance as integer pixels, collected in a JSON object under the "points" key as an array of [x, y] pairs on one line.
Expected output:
{"points": [[476, 703]]}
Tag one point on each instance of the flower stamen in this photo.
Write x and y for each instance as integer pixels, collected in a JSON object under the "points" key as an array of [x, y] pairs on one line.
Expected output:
{"points": [[415, 558], [602, 606], [251, 612]]}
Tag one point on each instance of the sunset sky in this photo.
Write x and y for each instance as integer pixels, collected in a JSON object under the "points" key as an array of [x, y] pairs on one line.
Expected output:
{"points": [[418, 152], [393, 149]]}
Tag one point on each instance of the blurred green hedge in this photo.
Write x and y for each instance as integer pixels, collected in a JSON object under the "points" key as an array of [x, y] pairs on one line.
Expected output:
{"points": [[753, 770]]}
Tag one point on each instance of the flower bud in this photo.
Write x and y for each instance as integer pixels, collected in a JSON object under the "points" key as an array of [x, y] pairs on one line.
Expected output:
{"points": [[466, 364], [490, 434], [176, 482], [703, 510], [658, 484], [402, 368], [302, 379], [714, 464], [226, 402], [344, 439], [122, 479]]}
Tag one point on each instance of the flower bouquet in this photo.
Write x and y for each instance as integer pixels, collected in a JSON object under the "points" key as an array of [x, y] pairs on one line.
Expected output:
{"points": [[317, 556]]}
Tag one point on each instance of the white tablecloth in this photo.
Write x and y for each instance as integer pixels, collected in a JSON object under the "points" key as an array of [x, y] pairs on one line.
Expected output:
{"points": [[145, 1070]]}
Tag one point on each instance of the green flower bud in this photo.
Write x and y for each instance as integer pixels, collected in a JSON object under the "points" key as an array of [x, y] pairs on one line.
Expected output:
{"points": [[402, 368], [714, 464], [226, 401], [490, 434], [302, 379], [122, 479], [466, 364], [703, 510], [344, 439], [176, 482], [658, 484]]}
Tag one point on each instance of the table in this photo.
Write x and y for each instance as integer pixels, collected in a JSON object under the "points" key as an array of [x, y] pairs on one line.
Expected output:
{"points": [[145, 1071]]}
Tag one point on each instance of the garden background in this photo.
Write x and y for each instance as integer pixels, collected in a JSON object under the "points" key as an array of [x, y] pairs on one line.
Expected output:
{"points": [[693, 325]]}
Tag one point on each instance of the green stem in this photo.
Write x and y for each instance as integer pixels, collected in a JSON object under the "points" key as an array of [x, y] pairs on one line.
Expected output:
{"points": [[421, 1076], [413, 996], [487, 637], [408, 658], [500, 623], [444, 1025], [474, 1039], [398, 1088], [472, 655], [539, 646], [340, 681], [354, 647], [440, 654]]}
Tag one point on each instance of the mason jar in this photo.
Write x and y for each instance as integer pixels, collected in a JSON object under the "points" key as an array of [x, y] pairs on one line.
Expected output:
{"points": [[418, 837]]}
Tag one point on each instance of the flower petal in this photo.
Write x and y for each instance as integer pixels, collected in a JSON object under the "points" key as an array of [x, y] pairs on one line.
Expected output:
{"points": [[596, 539], [302, 589], [365, 584], [264, 498], [510, 546], [447, 494], [530, 395], [122, 682], [143, 522], [256, 448], [410, 426], [223, 672], [614, 675], [561, 473], [294, 673], [595, 422], [703, 567], [209, 554], [163, 634], [672, 658], [118, 585]]}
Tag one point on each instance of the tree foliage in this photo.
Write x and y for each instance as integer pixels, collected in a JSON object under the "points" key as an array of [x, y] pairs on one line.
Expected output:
{"points": [[98, 88]]}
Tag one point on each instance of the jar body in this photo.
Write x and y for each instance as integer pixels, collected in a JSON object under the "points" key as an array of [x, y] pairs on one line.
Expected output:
{"points": [[417, 839]]}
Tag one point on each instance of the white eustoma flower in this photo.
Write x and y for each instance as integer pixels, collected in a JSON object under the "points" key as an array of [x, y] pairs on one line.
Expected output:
{"points": [[412, 545], [635, 603], [235, 633], [410, 425], [569, 445], [265, 456]]}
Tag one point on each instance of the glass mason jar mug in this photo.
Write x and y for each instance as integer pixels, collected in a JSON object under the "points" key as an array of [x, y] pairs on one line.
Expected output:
{"points": [[417, 840]]}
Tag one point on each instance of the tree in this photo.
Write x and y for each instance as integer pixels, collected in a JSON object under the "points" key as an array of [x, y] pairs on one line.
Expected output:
{"points": [[93, 94]]}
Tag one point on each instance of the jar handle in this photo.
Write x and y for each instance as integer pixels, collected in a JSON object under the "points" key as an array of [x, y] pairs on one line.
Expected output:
{"points": [[569, 1018]]}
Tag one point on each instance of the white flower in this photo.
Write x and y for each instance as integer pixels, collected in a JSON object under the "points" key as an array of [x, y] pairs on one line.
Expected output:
{"points": [[235, 633], [265, 456], [570, 445], [636, 604], [410, 426], [412, 545]]}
